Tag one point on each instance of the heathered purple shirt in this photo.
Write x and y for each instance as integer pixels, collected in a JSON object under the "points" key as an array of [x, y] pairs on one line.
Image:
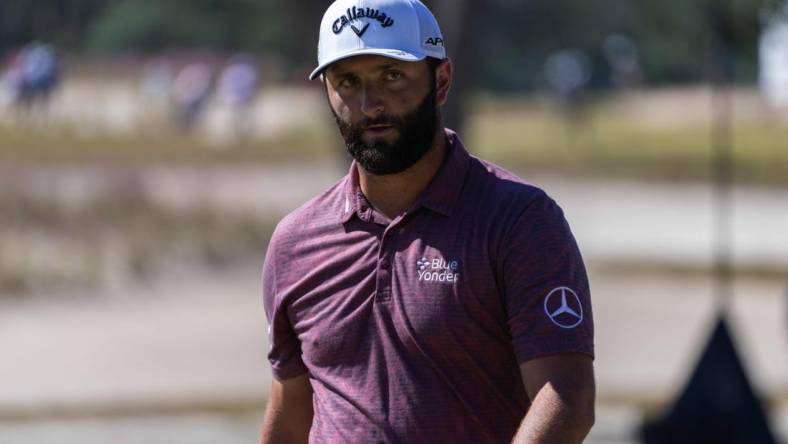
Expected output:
{"points": [[412, 329]]}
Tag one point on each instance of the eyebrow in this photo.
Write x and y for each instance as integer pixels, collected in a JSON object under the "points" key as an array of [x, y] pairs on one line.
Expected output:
{"points": [[391, 65], [339, 72]]}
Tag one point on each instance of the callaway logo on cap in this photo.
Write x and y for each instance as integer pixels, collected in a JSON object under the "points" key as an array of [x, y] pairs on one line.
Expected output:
{"points": [[401, 29]]}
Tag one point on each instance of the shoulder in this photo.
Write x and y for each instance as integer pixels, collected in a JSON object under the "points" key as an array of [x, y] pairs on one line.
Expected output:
{"points": [[503, 192], [514, 213], [322, 210]]}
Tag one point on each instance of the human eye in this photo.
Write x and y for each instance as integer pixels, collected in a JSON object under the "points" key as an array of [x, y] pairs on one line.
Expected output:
{"points": [[347, 82], [394, 75]]}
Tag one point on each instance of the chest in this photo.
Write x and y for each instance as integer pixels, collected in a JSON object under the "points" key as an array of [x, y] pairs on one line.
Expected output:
{"points": [[399, 290]]}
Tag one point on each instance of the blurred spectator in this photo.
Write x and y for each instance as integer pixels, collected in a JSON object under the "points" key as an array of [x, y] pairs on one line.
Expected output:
{"points": [[156, 85], [237, 88], [623, 57], [191, 90], [773, 57], [568, 72], [12, 79], [33, 74]]}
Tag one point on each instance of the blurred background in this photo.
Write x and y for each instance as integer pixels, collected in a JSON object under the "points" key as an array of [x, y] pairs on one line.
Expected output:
{"points": [[148, 147]]}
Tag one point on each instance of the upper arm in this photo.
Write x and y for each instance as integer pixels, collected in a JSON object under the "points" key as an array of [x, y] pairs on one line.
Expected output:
{"points": [[288, 416], [284, 346], [289, 413], [545, 285], [570, 376]]}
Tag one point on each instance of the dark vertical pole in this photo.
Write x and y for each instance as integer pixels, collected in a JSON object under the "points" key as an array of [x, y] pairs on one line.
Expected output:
{"points": [[303, 17], [456, 18], [722, 145]]}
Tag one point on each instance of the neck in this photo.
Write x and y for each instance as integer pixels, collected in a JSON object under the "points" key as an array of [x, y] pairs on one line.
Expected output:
{"points": [[394, 194]]}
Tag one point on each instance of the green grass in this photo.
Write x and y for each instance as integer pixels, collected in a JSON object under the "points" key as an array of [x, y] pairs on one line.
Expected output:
{"points": [[607, 142], [63, 144]]}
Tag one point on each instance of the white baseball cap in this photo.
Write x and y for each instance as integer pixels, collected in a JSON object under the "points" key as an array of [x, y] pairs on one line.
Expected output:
{"points": [[400, 29]]}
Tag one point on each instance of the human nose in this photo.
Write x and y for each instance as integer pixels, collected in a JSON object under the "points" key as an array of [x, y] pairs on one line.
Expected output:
{"points": [[371, 102]]}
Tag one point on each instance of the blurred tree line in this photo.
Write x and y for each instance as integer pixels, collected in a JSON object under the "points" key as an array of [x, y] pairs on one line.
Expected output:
{"points": [[504, 43]]}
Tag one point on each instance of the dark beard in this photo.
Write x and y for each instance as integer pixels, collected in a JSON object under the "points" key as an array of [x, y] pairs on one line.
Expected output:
{"points": [[416, 136]]}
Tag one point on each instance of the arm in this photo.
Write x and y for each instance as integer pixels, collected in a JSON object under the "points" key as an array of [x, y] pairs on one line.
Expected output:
{"points": [[288, 416], [562, 392]]}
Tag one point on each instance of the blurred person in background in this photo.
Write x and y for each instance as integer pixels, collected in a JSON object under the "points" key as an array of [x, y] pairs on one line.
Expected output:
{"points": [[156, 85], [568, 73], [191, 90], [237, 88], [13, 78], [32, 76], [428, 296], [623, 58]]}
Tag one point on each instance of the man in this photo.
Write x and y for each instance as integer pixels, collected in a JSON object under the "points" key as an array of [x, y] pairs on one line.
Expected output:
{"points": [[428, 296]]}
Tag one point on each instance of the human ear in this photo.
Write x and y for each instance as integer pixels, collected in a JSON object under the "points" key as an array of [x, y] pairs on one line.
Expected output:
{"points": [[443, 79]]}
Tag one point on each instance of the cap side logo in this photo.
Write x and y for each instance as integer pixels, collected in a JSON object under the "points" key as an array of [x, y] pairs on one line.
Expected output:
{"points": [[354, 13], [434, 41]]}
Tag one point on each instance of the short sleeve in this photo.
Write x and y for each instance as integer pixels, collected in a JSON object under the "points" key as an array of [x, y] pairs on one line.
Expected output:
{"points": [[548, 303], [284, 347]]}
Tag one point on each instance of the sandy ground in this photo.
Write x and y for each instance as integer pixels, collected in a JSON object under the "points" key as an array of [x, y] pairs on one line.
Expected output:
{"points": [[92, 368]]}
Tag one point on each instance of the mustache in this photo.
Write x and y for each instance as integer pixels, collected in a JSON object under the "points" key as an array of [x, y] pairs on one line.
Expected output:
{"points": [[363, 124]]}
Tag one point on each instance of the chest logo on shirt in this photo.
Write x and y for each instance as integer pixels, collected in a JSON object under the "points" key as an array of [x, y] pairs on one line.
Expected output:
{"points": [[437, 270], [563, 307]]}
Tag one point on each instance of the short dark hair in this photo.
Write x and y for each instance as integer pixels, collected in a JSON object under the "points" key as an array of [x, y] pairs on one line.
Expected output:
{"points": [[433, 64]]}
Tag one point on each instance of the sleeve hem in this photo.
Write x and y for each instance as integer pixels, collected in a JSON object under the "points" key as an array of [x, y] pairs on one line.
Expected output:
{"points": [[529, 355], [289, 372]]}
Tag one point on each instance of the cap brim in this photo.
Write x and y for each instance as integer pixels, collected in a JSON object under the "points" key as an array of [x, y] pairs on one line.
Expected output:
{"points": [[392, 53]]}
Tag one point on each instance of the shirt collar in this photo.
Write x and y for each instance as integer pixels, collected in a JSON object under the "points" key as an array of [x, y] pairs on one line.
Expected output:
{"points": [[440, 196], [444, 191], [354, 202]]}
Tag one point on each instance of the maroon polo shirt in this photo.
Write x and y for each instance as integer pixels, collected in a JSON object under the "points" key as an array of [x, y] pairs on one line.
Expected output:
{"points": [[412, 329]]}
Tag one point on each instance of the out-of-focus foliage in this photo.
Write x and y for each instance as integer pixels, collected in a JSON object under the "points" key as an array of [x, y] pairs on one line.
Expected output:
{"points": [[151, 25], [62, 22], [672, 36], [513, 37]]}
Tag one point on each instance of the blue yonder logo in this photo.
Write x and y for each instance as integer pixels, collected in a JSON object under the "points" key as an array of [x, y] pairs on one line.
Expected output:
{"points": [[437, 270]]}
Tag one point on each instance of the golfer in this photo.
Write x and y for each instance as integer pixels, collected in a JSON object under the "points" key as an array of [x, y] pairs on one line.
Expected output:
{"points": [[428, 296]]}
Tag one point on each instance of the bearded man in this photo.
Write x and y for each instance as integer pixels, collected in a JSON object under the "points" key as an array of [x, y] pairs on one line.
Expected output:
{"points": [[428, 296]]}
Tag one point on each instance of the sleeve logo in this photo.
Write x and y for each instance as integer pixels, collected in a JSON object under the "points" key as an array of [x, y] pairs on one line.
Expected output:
{"points": [[562, 306]]}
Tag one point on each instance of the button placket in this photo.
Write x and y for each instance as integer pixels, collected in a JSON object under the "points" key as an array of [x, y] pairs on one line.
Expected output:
{"points": [[383, 284], [384, 276]]}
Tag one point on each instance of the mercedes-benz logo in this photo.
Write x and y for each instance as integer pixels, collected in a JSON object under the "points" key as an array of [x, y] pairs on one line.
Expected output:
{"points": [[563, 311]]}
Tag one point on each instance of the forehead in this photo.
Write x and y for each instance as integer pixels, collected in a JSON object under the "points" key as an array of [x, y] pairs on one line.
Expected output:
{"points": [[369, 64]]}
